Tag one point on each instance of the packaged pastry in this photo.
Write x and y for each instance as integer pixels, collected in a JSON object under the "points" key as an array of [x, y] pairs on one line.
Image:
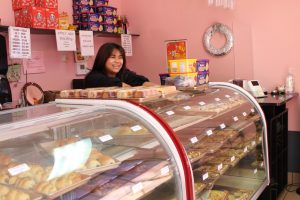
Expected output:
{"points": [[217, 195], [227, 160], [206, 177], [198, 187], [207, 147], [230, 133], [215, 139], [232, 152], [195, 154], [214, 168]]}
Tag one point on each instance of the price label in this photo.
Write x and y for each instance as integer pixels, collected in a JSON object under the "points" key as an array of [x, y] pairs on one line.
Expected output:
{"points": [[253, 143], [209, 132], [220, 166], [245, 149], [244, 114], [105, 138], [232, 158], [205, 176], [18, 169], [165, 170], [201, 103], [235, 119], [194, 140], [227, 96], [236, 93], [255, 171], [217, 99], [260, 138], [136, 128], [187, 107], [137, 187], [170, 113], [252, 110], [222, 126]]}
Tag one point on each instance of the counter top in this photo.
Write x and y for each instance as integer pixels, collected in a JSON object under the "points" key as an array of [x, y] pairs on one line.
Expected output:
{"points": [[276, 100]]}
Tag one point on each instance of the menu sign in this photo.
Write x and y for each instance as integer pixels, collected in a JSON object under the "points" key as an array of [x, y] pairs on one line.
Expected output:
{"points": [[19, 42]]}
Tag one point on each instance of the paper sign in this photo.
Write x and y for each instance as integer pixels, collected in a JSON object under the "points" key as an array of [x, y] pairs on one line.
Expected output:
{"points": [[165, 170], [244, 114], [65, 40], [235, 119], [227, 96], [194, 140], [19, 42], [205, 176], [220, 166], [126, 42], [222, 126], [209, 132], [105, 138], [70, 157], [36, 64], [217, 99], [18, 169], [187, 107], [201, 103], [86, 39], [136, 128]]}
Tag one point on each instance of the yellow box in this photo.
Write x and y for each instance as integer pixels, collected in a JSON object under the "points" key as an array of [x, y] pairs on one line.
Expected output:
{"points": [[191, 74], [182, 66]]}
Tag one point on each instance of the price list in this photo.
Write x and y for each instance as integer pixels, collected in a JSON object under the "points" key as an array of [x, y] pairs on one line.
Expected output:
{"points": [[19, 42]]}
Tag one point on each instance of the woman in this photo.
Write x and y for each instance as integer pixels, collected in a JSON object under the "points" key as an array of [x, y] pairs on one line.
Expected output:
{"points": [[110, 69]]}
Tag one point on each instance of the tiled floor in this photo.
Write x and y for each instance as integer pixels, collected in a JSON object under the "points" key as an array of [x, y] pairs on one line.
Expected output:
{"points": [[290, 195]]}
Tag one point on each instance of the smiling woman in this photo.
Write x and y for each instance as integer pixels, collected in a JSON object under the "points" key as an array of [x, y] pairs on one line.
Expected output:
{"points": [[109, 69]]}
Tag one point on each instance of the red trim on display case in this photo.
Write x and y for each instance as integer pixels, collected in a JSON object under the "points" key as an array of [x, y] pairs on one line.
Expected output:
{"points": [[180, 149]]}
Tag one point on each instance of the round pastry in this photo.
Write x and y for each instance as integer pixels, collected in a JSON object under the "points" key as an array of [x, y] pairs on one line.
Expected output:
{"points": [[3, 190], [12, 180], [39, 187], [4, 178], [25, 174], [22, 196], [63, 182], [106, 160], [12, 195], [36, 168], [49, 189], [92, 164], [26, 183], [75, 177]]}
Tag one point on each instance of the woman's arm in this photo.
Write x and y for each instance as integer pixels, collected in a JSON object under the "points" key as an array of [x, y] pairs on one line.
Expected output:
{"points": [[96, 79], [149, 84]]}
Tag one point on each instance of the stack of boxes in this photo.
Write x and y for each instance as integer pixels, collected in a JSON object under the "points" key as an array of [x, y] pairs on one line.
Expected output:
{"points": [[95, 15], [36, 13], [191, 69]]}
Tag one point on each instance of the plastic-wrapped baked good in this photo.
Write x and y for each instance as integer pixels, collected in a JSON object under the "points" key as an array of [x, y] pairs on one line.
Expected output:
{"points": [[215, 139], [207, 147], [199, 187], [206, 177], [214, 168], [231, 152], [217, 195], [195, 154]]}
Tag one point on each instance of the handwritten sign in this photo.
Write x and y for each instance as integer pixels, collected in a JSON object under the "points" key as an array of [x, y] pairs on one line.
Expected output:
{"points": [[36, 64], [65, 40], [19, 42], [126, 42], [86, 43]]}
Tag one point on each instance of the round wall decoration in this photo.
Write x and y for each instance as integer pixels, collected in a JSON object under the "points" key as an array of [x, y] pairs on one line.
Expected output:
{"points": [[223, 29]]}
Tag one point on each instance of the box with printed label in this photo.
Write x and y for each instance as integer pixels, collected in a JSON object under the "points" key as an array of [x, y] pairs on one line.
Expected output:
{"points": [[47, 3], [182, 66], [31, 17], [18, 4], [52, 18], [202, 65], [202, 78]]}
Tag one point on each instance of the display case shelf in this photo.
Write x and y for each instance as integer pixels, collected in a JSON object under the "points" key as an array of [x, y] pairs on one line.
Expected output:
{"points": [[38, 31]]}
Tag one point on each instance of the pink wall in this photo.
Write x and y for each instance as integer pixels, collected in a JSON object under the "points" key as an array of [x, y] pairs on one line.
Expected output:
{"points": [[59, 73], [265, 33]]}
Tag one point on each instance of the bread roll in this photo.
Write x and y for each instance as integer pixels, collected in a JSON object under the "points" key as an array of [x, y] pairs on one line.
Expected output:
{"points": [[12, 195], [4, 178], [63, 182], [39, 187], [49, 189], [3, 190], [92, 164], [22, 196], [75, 177], [12, 180], [26, 183], [106, 160]]}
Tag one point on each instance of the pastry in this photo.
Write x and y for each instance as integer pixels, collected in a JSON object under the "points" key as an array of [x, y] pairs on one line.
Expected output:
{"points": [[12, 195], [3, 190], [217, 195], [45, 187], [95, 94], [4, 178], [12, 180], [74, 177], [26, 183], [106, 160], [92, 164], [63, 182]]}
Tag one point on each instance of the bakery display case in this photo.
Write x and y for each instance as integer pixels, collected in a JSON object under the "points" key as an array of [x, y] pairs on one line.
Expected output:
{"points": [[184, 145]]}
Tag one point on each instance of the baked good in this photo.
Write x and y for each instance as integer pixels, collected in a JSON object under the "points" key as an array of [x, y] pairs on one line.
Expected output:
{"points": [[3, 190], [45, 187], [106, 160], [217, 195], [4, 178], [63, 182], [12, 180], [75, 177], [92, 164], [125, 93], [12, 195], [94, 94], [26, 183]]}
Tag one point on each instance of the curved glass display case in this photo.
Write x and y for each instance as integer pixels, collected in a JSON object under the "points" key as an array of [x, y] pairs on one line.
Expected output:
{"points": [[186, 145]]}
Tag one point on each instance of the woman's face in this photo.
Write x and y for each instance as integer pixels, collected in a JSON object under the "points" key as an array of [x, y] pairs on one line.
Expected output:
{"points": [[114, 63]]}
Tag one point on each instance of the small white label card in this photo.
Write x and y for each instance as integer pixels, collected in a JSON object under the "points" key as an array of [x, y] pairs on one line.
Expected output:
{"points": [[105, 138], [235, 119], [209, 132], [187, 107], [232, 158], [126, 42], [194, 140], [255, 171], [19, 42], [252, 110], [137, 187], [244, 114], [136, 128], [220, 167], [201, 103], [165, 170], [260, 138], [65, 40], [227, 96], [245, 149], [222, 126], [217, 99], [18, 169], [253, 143], [170, 112], [86, 39], [205, 176]]}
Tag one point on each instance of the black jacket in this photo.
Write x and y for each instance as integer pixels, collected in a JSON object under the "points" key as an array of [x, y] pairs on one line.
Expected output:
{"points": [[98, 79]]}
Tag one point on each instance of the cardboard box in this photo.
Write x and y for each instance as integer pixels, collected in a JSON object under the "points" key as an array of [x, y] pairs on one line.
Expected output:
{"points": [[19, 4], [31, 17], [47, 3], [202, 65], [202, 77], [182, 66], [52, 18]]}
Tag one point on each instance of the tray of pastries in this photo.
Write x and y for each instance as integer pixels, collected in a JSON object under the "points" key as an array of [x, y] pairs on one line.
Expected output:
{"points": [[206, 177], [207, 147], [196, 154], [214, 168], [9, 192], [218, 195]]}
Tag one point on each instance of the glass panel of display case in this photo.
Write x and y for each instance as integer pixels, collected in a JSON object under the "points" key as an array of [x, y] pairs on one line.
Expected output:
{"points": [[102, 154]]}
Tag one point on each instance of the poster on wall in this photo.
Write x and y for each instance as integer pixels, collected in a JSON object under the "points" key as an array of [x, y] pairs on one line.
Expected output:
{"points": [[126, 42], [19, 42], [86, 39], [176, 49], [35, 65], [65, 40]]}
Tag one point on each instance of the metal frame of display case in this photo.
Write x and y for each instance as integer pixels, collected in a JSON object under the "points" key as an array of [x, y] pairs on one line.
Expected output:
{"points": [[265, 136], [166, 134]]}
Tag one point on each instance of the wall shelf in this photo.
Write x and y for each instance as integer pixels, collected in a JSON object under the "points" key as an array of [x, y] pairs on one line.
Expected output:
{"points": [[52, 32]]}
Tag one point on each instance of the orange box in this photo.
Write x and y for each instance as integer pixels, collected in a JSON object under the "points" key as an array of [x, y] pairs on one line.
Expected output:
{"points": [[52, 18], [47, 3], [18, 4]]}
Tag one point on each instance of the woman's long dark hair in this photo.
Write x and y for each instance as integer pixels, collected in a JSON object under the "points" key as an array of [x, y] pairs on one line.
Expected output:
{"points": [[103, 54]]}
